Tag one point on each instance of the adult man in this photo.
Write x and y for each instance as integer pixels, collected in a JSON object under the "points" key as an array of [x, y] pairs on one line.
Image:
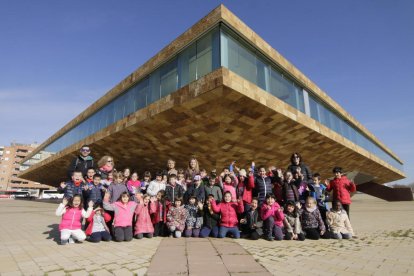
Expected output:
{"points": [[82, 162]]}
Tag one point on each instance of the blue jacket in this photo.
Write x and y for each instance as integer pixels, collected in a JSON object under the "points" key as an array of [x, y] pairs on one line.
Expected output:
{"points": [[70, 190]]}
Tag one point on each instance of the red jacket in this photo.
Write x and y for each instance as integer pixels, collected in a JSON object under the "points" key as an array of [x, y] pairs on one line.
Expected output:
{"points": [[228, 211], [341, 188], [248, 190], [88, 232]]}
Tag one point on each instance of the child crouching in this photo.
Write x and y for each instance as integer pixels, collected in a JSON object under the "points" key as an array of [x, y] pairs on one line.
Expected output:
{"points": [[338, 222], [252, 224], [293, 227], [176, 217], [272, 216], [71, 225], [97, 229]]}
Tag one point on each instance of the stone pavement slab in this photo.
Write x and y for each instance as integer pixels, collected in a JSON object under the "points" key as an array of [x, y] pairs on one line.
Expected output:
{"points": [[29, 238], [194, 256]]}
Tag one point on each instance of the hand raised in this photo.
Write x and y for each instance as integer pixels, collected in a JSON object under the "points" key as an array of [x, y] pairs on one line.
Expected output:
{"points": [[65, 201]]}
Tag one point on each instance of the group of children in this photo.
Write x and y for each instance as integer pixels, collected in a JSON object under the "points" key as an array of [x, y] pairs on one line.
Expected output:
{"points": [[271, 204]]}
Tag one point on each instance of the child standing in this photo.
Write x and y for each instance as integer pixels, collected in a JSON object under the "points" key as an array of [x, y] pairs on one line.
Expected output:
{"points": [[228, 211], [173, 190], [95, 191], [123, 213], [212, 189], [229, 184], [72, 213], [311, 220], [194, 217], [156, 185], [143, 224], [134, 185], [146, 182], [97, 229], [117, 188], [272, 216], [196, 190], [341, 188], [158, 218], [73, 187], [338, 222], [176, 218], [293, 228], [252, 224]]}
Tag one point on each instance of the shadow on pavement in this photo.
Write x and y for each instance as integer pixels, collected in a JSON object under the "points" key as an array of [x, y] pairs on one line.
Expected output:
{"points": [[53, 233]]}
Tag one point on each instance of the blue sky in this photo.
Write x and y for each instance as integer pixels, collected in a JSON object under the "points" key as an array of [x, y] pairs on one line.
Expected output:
{"points": [[58, 57]]}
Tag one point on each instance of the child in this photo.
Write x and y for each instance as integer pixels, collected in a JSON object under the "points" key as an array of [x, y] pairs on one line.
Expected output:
{"points": [[70, 226], [173, 190], [228, 211], [210, 220], [252, 224], [317, 191], [245, 188], [89, 176], [272, 216], [338, 222], [194, 217], [94, 192], [123, 210], [196, 190], [145, 183], [289, 188], [74, 187], [176, 218], [134, 185], [156, 185], [143, 224], [127, 175], [311, 220], [302, 186], [158, 218], [341, 188], [229, 185], [117, 188], [108, 181], [97, 229], [212, 189], [293, 228], [181, 179]]}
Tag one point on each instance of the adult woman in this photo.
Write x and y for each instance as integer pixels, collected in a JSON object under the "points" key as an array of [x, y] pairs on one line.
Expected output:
{"points": [[297, 165]]}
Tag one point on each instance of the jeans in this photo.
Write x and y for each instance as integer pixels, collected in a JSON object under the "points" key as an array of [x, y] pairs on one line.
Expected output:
{"points": [[206, 232], [100, 236], [223, 231]]}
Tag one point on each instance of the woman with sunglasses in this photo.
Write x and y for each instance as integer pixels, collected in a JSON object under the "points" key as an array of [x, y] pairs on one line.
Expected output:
{"points": [[82, 162], [297, 166], [105, 166]]}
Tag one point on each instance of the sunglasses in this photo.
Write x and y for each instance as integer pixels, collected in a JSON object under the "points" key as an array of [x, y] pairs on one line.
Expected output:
{"points": [[86, 150], [109, 161]]}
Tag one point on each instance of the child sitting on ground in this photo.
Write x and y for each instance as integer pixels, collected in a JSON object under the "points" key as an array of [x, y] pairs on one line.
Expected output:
{"points": [[97, 229], [123, 213], [338, 222], [210, 220], [228, 211], [272, 216], [311, 220], [293, 228], [194, 217], [252, 224], [72, 213], [176, 218], [143, 224]]}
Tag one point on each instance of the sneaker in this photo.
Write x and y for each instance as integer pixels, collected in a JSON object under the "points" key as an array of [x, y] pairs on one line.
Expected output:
{"points": [[269, 238], [64, 242], [71, 240]]}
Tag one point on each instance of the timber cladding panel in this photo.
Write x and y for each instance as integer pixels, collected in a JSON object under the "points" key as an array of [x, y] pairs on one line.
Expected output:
{"points": [[218, 119]]}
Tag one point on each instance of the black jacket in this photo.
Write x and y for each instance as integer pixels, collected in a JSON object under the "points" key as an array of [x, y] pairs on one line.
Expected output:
{"points": [[81, 164]]}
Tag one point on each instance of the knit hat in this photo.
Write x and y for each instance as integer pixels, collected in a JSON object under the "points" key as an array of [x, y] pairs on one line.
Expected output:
{"points": [[242, 172]]}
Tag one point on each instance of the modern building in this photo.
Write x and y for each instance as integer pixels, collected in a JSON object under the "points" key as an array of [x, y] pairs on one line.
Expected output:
{"points": [[10, 167], [218, 92]]}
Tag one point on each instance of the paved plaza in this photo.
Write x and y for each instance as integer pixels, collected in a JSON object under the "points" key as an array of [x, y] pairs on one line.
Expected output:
{"points": [[385, 245]]}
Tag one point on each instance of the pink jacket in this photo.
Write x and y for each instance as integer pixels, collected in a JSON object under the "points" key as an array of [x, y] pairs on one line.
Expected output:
{"points": [[230, 188], [144, 223], [228, 211], [71, 219], [123, 213], [272, 212]]}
